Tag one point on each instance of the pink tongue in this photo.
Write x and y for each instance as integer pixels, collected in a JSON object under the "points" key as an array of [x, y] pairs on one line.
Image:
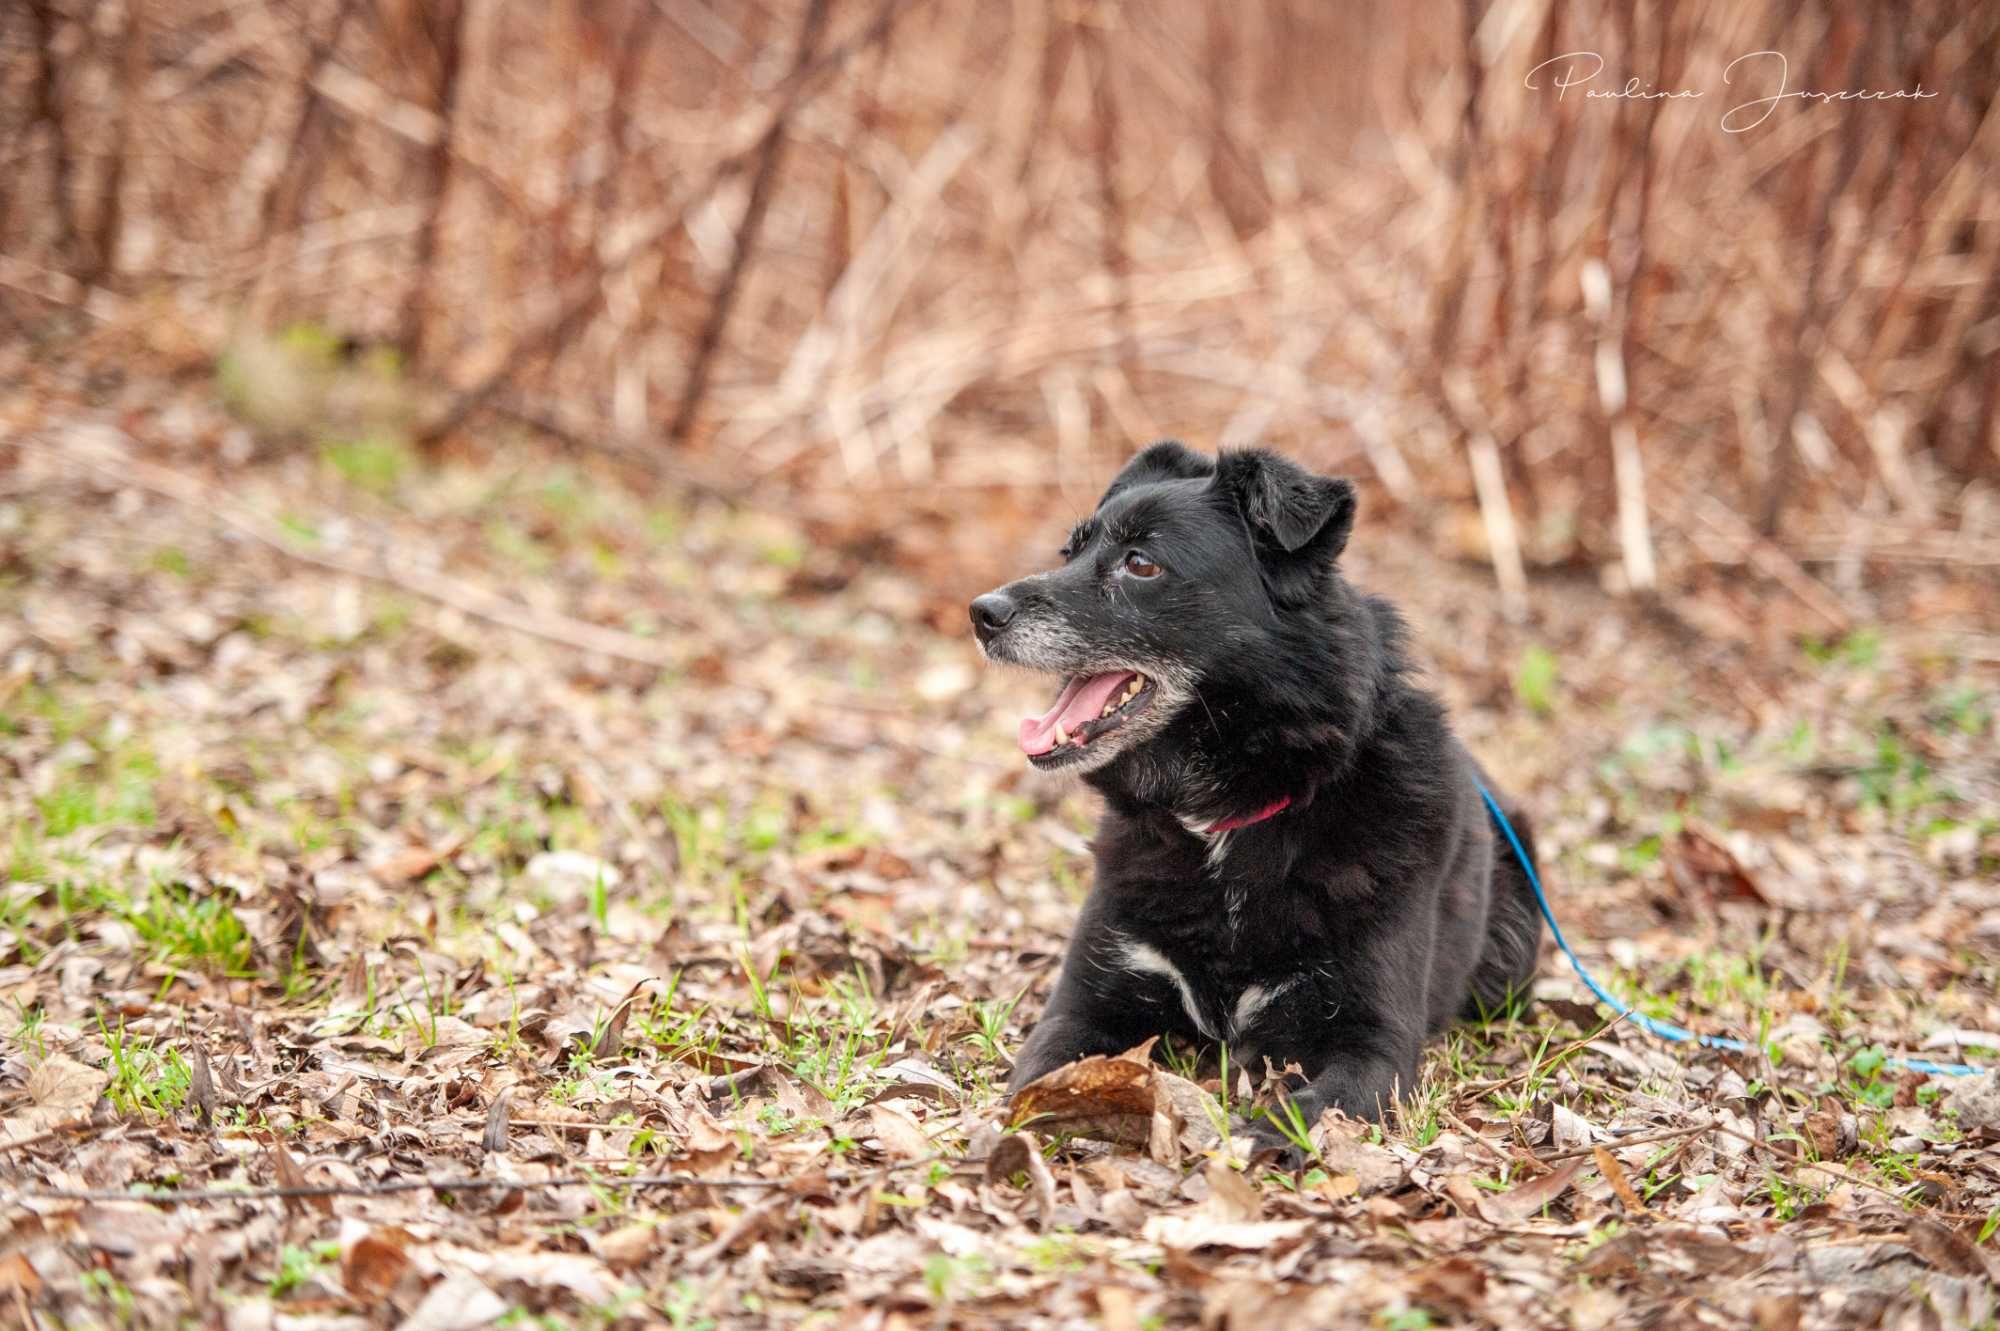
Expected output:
{"points": [[1082, 699]]}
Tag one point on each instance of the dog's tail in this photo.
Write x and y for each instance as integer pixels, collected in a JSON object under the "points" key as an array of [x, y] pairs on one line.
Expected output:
{"points": [[1506, 969]]}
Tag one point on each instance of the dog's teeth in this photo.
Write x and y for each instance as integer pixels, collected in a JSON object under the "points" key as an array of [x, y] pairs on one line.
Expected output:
{"points": [[1062, 736]]}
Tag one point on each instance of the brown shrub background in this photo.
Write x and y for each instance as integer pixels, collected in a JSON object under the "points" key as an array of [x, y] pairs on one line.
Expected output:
{"points": [[948, 249]]}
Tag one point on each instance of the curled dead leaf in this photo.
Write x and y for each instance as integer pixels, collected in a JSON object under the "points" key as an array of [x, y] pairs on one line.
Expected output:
{"points": [[1455, 1285], [372, 1264], [494, 1140], [459, 1302], [1948, 1250], [1520, 1202], [628, 1245], [1614, 1174], [1019, 1153], [1704, 870], [1123, 1099], [291, 1176], [18, 1276]]}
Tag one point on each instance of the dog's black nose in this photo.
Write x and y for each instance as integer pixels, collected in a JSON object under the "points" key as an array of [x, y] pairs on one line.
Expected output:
{"points": [[991, 613]]}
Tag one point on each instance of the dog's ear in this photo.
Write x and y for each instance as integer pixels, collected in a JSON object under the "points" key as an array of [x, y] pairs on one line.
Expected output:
{"points": [[1168, 460], [1298, 512]]}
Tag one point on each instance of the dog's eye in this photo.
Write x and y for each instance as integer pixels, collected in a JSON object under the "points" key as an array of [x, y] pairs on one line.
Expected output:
{"points": [[1138, 566]]}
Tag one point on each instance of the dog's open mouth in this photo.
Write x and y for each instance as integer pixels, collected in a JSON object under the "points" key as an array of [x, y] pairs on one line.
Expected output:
{"points": [[1089, 707]]}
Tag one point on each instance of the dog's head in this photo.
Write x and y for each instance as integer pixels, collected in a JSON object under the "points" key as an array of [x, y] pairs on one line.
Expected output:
{"points": [[1185, 576]]}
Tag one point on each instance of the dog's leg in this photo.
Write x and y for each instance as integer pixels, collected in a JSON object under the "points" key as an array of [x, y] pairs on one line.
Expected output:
{"points": [[1362, 1084], [1059, 1038], [1098, 1007], [1356, 1030]]}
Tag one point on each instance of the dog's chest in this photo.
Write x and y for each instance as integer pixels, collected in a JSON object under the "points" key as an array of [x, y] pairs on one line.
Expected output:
{"points": [[1220, 1000], [1223, 954]]}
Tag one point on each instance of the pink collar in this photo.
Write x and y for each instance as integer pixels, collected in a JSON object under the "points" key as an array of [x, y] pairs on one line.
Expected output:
{"points": [[1245, 819]]}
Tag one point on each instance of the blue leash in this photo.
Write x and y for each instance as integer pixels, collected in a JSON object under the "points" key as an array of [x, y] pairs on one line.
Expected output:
{"points": [[1665, 1030]]}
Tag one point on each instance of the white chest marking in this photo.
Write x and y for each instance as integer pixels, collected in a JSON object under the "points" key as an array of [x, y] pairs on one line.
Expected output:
{"points": [[1153, 962], [1149, 960], [1249, 1003], [1146, 959]]}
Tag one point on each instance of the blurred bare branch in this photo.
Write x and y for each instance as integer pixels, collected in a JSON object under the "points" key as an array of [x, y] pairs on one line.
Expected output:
{"points": [[1379, 235], [763, 179]]}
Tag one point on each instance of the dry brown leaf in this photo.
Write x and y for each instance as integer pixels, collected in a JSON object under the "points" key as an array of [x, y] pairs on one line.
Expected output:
{"points": [[413, 862], [1947, 1250], [710, 1147], [291, 1176], [1976, 1102], [1527, 1199], [201, 1088], [1118, 1307], [901, 1136], [1019, 1153], [628, 1245], [1614, 1174], [1230, 1195], [1109, 1098], [1778, 1312], [371, 1266], [493, 1140], [18, 1276], [1455, 1285], [62, 1088], [1705, 870], [459, 1302], [1345, 1150], [1187, 1232]]}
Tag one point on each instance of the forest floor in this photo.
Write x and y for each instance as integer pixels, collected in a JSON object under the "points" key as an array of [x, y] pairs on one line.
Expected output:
{"points": [[594, 907]]}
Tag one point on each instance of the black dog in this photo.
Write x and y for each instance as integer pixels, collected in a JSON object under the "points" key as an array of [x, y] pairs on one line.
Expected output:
{"points": [[1294, 859]]}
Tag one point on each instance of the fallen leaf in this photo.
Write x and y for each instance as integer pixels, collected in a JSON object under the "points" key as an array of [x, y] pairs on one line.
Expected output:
{"points": [[201, 1087], [413, 862], [1117, 1308], [1230, 1195], [291, 1176], [493, 1141], [1185, 1233], [1108, 1098], [1455, 1285], [1519, 1203], [1976, 1101], [1704, 870], [1345, 1150], [18, 1276], [1947, 1250], [628, 1245], [901, 1136], [1568, 1130], [60, 1089], [1019, 1153], [459, 1302], [1778, 1312], [371, 1266], [1614, 1174]]}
